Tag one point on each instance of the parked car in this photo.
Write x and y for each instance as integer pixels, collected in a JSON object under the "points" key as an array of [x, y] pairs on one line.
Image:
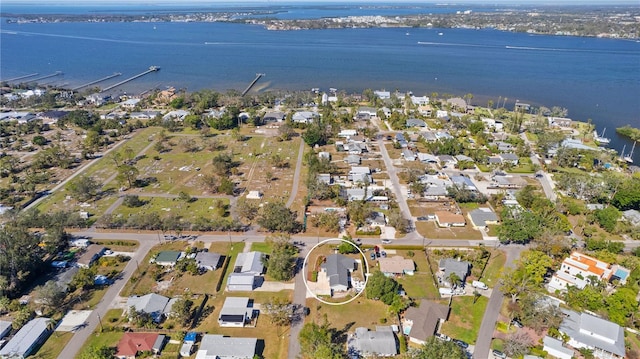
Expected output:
{"points": [[499, 354], [517, 324], [443, 337], [461, 344], [386, 241], [423, 218], [479, 285]]}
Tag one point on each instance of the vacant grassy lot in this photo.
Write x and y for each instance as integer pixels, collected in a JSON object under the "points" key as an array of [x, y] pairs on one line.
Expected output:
{"points": [[361, 312], [465, 318], [420, 285], [430, 229], [492, 271], [98, 339], [118, 245], [189, 211]]}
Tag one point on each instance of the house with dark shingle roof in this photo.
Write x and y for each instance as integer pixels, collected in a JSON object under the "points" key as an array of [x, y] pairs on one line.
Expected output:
{"points": [[338, 269], [421, 323]]}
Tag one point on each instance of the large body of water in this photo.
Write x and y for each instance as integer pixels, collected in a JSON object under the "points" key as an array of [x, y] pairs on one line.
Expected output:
{"points": [[596, 79]]}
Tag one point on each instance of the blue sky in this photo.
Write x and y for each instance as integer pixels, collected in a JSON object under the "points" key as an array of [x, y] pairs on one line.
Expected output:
{"points": [[275, 2]]}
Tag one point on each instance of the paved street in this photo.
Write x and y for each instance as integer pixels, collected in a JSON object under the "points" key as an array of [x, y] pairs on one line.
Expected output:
{"points": [[485, 334], [397, 190], [80, 337]]}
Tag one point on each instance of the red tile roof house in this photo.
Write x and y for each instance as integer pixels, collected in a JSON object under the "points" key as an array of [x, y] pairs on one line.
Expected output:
{"points": [[133, 343]]}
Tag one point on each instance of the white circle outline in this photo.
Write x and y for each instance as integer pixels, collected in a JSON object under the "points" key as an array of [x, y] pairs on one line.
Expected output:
{"points": [[304, 272]]}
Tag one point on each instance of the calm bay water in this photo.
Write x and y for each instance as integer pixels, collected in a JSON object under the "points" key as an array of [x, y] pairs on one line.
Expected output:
{"points": [[593, 78]]}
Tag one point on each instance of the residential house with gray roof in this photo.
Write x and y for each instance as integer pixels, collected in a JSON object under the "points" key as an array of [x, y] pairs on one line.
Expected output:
{"points": [[605, 338], [446, 266], [464, 182], [380, 342], [158, 306], [305, 116], [274, 116], [208, 260], [414, 122], [236, 312], [482, 217], [511, 158], [28, 338], [215, 346], [353, 160], [338, 269]]}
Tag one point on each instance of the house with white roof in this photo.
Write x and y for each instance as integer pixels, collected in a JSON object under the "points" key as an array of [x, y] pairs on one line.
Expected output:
{"points": [[559, 122], [420, 100], [246, 271], [579, 269], [383, 95], [347, 133], [130, 103], [604, 338], [442, 114], [176, 115], [556, 348]]}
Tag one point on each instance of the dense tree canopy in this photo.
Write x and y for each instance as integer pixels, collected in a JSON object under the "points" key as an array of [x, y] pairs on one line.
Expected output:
{"points": [[434, 348], [319, 342], [281, 262], [276, 217]]}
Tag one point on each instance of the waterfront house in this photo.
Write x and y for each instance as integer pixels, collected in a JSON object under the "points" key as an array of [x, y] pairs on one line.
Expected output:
{"points": [[559, 122], [379, 343], [131, 344], [28, 338], [215, 346], [421, 323], [130, 103], [420, 100]]}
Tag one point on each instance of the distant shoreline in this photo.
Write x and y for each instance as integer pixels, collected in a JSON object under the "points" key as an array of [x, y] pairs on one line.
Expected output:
{"points": [[616, 22]]}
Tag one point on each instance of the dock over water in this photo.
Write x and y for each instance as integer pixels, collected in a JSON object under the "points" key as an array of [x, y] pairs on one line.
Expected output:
{"points": [[115, 74], [151, 69], [258, 76]]}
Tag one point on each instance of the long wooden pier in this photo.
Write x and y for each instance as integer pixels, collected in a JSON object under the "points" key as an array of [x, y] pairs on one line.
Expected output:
{"points": [[115, 74], [57, 73], [21, 77], [151, 69], [258, 76]]}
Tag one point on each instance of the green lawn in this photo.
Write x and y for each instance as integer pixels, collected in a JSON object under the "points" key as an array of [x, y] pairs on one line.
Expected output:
{"points": [[189, 211], [261, 247], [98, 339], [492, 271], [420, 285], [465, 318], [118, 245], [361, 312], [53, 346]]}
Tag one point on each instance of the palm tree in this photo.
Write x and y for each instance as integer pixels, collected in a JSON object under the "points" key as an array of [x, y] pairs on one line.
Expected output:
{"points": [[454, 280]]}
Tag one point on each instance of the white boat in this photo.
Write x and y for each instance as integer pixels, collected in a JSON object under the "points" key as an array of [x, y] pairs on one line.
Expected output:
{"points": [[629, 157], [440, 34], [600, 138]]}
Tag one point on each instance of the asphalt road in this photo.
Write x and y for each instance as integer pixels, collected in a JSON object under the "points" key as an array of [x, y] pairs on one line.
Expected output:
{"points": [[80, 337], [393, 176], [485, 333]]}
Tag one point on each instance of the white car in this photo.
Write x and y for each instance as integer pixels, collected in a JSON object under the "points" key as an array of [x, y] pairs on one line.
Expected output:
{"points": [[386, 241]]}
